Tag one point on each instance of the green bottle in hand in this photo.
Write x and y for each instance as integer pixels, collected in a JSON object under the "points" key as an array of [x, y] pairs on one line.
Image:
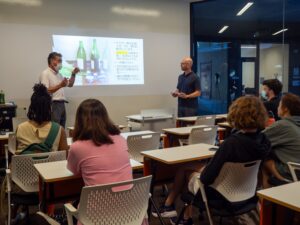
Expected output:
{"points": [[81, 56], [2, 97], [95, 57]]}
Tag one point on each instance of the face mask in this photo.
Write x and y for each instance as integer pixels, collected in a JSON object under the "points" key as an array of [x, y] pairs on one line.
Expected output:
{"points": [[58, 67], [264, 94]]}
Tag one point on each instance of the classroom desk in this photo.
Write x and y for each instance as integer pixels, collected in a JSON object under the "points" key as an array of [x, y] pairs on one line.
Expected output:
{"points": [[124, 135], [71, 129], [190, 120], [174, 134], [285, 196], [127, 134], [168, 160], [57, 184], [155, 122]]}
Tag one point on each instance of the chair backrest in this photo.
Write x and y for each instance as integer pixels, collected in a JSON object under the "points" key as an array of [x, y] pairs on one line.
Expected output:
{"points": [[23, 172], [237, 181], [294, 170], [142, 142], [205, 135], [108, 205], [206, 120], [12, 143]]}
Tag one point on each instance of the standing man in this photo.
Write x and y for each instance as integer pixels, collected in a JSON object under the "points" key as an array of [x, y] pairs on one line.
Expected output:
{"points": [[188, 90], [55, 83], [271, 93]]}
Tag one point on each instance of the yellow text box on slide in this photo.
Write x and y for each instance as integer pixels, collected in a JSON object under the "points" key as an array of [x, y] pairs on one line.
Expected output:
{"points": [[122, 52]]}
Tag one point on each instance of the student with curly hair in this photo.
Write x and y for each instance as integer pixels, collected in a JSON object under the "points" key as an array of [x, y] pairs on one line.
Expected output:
{"points": [[37, 128], [248, 116]]}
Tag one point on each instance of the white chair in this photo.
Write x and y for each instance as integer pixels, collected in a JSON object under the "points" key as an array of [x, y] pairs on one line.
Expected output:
{"points": [[142, 142], [294, 167], [12, 143], [236, 182], [206, 120], [25, 176], [205, 135], [123, 203]]}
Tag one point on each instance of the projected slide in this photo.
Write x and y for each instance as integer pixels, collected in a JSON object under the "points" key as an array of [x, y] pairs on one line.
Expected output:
{"points": [[101, 60]]}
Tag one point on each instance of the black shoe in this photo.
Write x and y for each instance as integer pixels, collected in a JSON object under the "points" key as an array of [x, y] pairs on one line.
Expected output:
{"points": [[166, 212], [189, 221]]}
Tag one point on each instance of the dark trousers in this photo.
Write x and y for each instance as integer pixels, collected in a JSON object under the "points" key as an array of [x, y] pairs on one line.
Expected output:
{"points": [[184, 112], [59, 112]]}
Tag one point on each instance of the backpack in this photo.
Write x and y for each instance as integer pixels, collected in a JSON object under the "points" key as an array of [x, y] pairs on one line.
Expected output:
{"points": [[45, 146]]}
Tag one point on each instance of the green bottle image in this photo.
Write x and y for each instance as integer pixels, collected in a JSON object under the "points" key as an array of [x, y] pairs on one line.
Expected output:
{"points": [[2, 97], [95, 57], [81, 56]]}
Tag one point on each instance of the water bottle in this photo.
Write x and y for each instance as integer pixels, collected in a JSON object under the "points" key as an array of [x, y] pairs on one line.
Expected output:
{"points": [[2, 97]]}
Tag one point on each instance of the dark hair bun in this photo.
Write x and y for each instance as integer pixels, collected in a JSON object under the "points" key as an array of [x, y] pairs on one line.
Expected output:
{"points": [[40, 89]]}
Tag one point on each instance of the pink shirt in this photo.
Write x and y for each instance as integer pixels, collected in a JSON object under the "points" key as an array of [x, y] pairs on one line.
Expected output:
{"points": [[103, 164]]}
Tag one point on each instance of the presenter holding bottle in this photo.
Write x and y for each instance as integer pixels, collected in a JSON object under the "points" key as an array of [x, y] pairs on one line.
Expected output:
{"points": [[55, 83], [188, 90]]}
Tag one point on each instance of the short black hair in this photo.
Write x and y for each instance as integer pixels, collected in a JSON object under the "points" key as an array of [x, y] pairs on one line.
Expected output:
{"points": [[40, 107], [52, 55], [273, 84]]}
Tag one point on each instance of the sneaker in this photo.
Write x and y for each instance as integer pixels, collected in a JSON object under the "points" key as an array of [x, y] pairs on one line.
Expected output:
{"points": [[166, 212], [189, 221]]}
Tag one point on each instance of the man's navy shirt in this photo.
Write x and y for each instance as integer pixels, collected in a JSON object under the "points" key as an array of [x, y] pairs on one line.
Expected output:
{"points": [[188, 84]]}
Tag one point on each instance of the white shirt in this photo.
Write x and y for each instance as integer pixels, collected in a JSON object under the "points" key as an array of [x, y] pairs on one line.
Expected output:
{"points": [[50, 79]]}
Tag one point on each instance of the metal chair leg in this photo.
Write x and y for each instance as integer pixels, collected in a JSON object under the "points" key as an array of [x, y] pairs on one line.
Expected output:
{"points": [[182, 213], [156, 209]]}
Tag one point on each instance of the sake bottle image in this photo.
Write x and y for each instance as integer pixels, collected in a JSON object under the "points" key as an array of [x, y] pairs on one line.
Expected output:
{"points": [[95, 57], [2, 97], [81, 56]]}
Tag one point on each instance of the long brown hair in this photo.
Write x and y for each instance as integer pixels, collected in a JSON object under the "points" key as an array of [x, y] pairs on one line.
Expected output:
{"points": [[93, 123]]}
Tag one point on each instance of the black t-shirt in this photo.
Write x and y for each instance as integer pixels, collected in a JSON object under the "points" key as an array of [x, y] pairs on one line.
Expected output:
{"points": [[272, 106], [188, 84]]}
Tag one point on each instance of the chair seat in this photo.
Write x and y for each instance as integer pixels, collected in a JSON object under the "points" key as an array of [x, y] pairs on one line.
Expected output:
{"points": [[214, 205], [25, 199], [276, 182], [229, 212]]}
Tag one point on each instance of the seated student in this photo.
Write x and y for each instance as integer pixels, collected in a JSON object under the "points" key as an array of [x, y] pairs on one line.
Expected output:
{"points": [[284, 136], [248, 116], [99, 153], [271, 93], [37, 128]]}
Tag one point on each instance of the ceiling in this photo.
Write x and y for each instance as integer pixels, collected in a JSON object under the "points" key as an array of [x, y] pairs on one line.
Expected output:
{"points": [[259, 22]]}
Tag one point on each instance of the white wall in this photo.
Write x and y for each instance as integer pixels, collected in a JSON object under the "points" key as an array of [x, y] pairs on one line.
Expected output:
{"points": [[26, 40], [271, 63]]}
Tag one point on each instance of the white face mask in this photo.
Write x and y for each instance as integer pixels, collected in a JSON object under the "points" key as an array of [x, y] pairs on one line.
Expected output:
{"points": [[58, 67], [264, 94]]}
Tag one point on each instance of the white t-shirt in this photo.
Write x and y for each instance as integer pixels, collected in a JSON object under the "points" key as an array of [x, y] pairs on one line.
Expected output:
{"points": [[50, 79]]}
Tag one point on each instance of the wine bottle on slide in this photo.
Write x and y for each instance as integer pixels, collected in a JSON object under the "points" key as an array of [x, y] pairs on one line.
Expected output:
{"points": [[81, 56], [2, 97], [95, 57]]}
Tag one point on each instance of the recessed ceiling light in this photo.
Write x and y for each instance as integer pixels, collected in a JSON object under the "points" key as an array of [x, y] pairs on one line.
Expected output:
{"points": [[245, 8], [22, 2], [280, 31], [223, 29], [132, 11]]}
